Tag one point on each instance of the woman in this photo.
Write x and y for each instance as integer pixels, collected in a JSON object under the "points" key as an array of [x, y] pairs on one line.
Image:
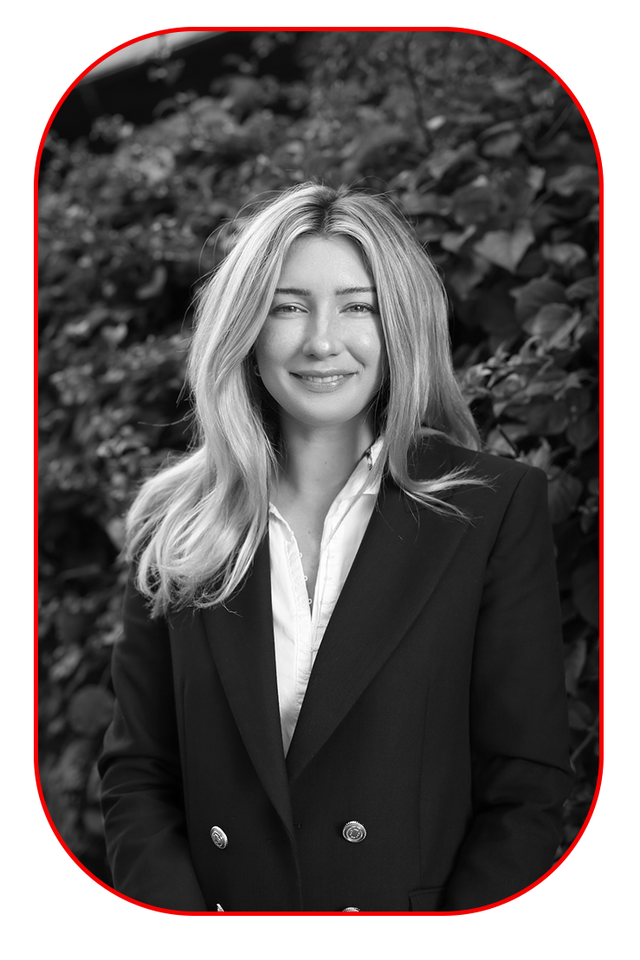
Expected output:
{"points": [[340, 685]]}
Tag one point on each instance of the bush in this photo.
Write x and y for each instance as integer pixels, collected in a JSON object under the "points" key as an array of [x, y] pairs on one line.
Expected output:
{"points": [[491, 160]]}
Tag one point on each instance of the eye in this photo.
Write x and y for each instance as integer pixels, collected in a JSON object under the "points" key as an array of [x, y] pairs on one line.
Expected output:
{"points": [[361, 308], [284, 308]]}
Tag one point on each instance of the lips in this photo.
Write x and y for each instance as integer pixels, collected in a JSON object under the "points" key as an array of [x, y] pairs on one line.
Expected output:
{"points": [[336, 379], [323, 381], [324, 377]]}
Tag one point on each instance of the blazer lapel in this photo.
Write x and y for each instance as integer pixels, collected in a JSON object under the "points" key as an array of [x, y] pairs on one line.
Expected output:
{"points": [[403, 554], [241, 639]]}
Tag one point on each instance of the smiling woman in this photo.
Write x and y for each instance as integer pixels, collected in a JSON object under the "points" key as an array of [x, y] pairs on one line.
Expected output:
{"points": [[323, 335], [340, 686]]}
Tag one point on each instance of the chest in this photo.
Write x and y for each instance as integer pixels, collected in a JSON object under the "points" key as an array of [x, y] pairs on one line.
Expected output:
{"points": [[307, 530], [316, 547]]}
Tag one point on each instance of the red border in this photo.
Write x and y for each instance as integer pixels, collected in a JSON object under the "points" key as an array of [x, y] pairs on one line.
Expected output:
{"points": [[310, 913]]}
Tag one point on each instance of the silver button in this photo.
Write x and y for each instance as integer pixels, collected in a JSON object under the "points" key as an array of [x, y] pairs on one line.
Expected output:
{"points": [[351, 910], [219, 908], [219, 837], [354, 832]]}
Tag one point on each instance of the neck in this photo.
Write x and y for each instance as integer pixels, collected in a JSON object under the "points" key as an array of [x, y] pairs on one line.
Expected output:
{"points": [[317, 461]]}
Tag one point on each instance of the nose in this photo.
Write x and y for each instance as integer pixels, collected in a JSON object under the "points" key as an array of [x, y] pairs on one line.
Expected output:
{"points": [[322, 337]]}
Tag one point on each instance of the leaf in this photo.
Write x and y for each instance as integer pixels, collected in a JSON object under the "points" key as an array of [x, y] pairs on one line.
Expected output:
{"points": [[503, 440], [560, 339], [548, 319], [508, 88], [474, 204], [504, 145], [442, 160], [49, 705], [580, 715], [539, 456], [535, 177], [72, 625], [114, 334], [579, 401], [90, 710], [418, 204], [548, 418], [466, 274], [585, 583], [563, 493], [70, 771], [574, 663], [534, 295], [583, 289], [66, 665], [85, 326], [452, 241], [492, 309], [115, 528], [566, 255], [585, 431], [155, 285], [431, 228], [577, 179], [505, 248], [434, 123]]}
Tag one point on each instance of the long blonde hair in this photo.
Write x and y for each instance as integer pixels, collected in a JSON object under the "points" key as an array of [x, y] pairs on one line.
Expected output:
{"points": [[195, 527]]}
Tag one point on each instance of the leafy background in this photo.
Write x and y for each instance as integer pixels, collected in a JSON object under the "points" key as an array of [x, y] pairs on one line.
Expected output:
{"points": [[490, 159]]}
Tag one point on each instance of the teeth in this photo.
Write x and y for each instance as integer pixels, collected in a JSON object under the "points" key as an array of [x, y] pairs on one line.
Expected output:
{"points": [[323, 379]]}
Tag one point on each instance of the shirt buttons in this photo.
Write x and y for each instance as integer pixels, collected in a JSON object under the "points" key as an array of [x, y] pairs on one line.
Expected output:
{"points": [[354, 832], [219, 837]]}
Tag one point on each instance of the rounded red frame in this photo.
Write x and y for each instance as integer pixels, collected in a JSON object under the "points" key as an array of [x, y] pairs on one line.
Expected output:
{"points": [[319, 913]]}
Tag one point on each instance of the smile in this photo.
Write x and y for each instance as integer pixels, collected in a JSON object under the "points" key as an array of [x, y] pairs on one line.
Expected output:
{"points": [[323, 383], [330, 378]]}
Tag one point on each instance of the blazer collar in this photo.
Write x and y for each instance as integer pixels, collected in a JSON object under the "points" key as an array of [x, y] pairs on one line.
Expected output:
{"points": [[402, 556]]}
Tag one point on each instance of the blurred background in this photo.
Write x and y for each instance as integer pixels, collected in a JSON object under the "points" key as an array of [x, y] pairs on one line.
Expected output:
{"points": [[148, 160]]}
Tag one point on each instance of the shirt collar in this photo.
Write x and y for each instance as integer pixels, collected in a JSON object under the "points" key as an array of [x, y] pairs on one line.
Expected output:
{"points": [[357, 484]]}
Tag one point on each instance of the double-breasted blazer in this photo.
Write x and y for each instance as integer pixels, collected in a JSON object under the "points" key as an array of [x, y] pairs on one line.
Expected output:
{"points": [[435, 718]]}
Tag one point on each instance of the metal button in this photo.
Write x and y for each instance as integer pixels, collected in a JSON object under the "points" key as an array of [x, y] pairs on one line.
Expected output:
{"points": [[219, 837], [354, 832], [351, 910], [219, 908]]}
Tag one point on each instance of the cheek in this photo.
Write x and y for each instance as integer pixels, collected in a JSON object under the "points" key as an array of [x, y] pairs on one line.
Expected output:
{"points": [[270, 348], [371, 349], [278, 339]]}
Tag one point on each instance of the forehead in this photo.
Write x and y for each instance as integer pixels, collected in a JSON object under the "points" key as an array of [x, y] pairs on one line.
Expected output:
{"points": [[322, 259]]}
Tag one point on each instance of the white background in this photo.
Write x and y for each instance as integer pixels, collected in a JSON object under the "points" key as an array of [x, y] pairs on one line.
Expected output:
{"points": [[586, 908]]}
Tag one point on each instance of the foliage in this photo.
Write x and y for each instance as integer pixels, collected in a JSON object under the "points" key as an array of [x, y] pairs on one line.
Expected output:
{"points": [[488, 156]]}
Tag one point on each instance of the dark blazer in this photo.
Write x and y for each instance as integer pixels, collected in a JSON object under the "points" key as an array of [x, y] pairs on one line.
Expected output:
{"points": [[435, 717]]}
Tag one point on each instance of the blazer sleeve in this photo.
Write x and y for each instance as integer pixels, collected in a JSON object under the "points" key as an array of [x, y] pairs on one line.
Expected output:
{"points": [[142, 793], [518, 720]]}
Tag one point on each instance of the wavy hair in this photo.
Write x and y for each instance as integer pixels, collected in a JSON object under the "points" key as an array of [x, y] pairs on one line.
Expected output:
{"points": [[195, 527]]}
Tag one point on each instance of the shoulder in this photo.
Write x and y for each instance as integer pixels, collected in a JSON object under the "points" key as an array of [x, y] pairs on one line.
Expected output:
{"points": [[434, 457]]}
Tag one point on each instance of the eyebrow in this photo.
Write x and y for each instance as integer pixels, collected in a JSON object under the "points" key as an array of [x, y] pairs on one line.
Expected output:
{"points": [[344, 291]]}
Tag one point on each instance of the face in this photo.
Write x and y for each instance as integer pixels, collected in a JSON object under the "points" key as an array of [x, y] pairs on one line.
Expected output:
{"points": [[320, 353]]}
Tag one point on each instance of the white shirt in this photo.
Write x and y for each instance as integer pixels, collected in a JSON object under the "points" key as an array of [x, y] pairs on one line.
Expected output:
{"points": [[298, 625]]}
